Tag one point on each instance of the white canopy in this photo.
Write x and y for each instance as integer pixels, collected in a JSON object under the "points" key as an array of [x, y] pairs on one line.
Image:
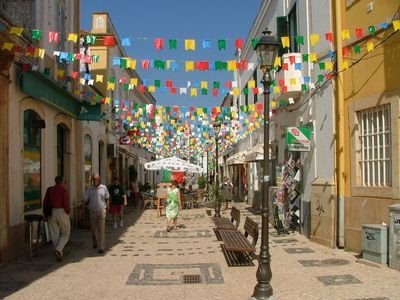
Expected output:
{"points": [[236, 159], [257, 153], [173, 164]]}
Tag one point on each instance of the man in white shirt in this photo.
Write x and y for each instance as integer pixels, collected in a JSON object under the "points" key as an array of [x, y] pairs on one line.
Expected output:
{"points": [[96, 199]]}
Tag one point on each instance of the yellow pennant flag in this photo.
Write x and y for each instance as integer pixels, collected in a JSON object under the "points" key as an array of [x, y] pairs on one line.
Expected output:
{"points": [[73, 37], [60, 73], [313, 57], [285, 41], [7, 46], [277, 89], [134, 81], [236, 92], [204, 84], [252, 107], [370, 46], [314, 39], [16, 30], [293, 81], [231, 65], [193, 92], [108, 100], [39, 52], [277, 62], [345, 34], [152, 88], [345, 65], [131, 63], [251, 84], [128, 118], [189, 66], [328, 65], [396, 25], [199, 111], [233, 114], [190, 45], [110, 86], [218, 109], [99, 78]]}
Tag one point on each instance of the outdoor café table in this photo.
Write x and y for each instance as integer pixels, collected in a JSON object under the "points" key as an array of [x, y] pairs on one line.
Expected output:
{"points": [[235, 241]]}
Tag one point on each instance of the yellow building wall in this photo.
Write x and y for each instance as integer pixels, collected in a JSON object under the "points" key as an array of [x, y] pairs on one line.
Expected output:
{"points": [[371, 82]]}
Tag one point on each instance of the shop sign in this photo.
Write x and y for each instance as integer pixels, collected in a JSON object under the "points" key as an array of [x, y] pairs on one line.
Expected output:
{"points": [[298, 138]]}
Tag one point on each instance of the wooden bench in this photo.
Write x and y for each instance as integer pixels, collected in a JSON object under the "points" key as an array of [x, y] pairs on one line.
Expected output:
{"points": [[223, 223], [237, 249]]}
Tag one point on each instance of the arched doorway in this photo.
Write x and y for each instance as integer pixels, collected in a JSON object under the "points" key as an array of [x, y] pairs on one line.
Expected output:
{"points": [[32, 160]]}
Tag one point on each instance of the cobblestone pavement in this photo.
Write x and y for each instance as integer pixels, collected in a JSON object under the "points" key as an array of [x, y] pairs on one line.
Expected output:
{"points": [[143, 261]]}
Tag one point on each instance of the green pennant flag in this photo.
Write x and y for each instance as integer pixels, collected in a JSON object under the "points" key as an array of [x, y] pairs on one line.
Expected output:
{"points": [[205, 110], [218, 65], [172, 44], [126, 86], [242, 108], [300, 40], [321, 65], [90, 39], [357, 49], [216, 84], [371, 30], [157, 83], [254, 42], [111, 79], [246, 91], [123, 63], [305, 57], [168, 109], [282, 103], [135, 106], [304, 87], [224, 65], [320, 78], [36, 34], [221, 44], [273, 83], [204, 92], [159, 64]]}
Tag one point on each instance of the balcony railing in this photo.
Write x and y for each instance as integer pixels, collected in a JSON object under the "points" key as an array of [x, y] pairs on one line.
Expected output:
{"points": [[289, 77]]}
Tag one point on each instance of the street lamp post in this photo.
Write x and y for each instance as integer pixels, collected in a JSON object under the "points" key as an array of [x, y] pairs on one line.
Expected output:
{"points": [[266, 50], [217, 128]]}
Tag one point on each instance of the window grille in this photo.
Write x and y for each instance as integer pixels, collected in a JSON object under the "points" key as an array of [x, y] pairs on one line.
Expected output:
{"points": [[375, 146]]}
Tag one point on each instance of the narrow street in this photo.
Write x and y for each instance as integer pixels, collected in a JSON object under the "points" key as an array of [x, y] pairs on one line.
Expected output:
{"points": [[143, 261]]}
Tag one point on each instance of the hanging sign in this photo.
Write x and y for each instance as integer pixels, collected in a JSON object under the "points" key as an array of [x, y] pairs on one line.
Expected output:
{"points": [[298, 138]]}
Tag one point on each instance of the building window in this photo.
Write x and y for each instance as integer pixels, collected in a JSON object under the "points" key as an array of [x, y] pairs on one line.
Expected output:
{"points": [[287, 26], [375, 146]]}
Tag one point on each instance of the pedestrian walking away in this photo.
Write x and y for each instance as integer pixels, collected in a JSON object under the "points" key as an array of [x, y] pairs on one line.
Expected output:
{"points": [[96, 199], [117, 202], [57, 197], [173, 205]]}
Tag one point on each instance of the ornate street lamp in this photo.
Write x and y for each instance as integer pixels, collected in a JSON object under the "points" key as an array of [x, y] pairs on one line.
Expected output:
{"points": [[217, 129], [266, 50]]}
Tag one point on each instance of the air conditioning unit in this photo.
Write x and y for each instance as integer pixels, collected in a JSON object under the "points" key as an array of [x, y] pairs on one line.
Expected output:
{"points": [[112, 151], [290, 76]]}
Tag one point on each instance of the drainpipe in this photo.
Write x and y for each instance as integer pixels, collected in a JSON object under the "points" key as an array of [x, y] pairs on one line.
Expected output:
{"points": [[339, 107]]}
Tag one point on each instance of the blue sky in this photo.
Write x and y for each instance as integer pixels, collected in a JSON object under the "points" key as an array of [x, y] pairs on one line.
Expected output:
{"points": [[178, 19]]}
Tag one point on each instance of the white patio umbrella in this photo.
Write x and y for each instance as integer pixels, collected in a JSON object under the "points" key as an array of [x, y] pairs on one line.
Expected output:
{"points": [[173, 164]]}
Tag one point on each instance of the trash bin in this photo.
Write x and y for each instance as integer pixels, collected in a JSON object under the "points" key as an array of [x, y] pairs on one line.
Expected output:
{"points": [[394, 237], [374, 243], [33, 221]]}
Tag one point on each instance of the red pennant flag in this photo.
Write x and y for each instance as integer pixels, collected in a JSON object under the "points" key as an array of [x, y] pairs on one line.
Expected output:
{"points": [[109, 40], [145, 64], [204, 66], [228, 84], [78, 56], [191, 108], [25, 67], [168, 83], [239, 44], [285, 67], [242, 65], [284, 89], [142, 88], [281, 82], [74, 75], [159, 44], [17, 49], [329, 36], [87, 59], [173, 90], [259, 107], [328, 76], [215, 92], [345, 51], [122, 80], [292, 59], [103, 100], [359, 33], [175, 109], [30, 50], [255, 91], [197, 65], [214, 110]]}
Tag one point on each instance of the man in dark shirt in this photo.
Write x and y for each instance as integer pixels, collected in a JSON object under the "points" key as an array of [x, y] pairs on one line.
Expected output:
{"points": [[59, 224], [118, 200]]}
